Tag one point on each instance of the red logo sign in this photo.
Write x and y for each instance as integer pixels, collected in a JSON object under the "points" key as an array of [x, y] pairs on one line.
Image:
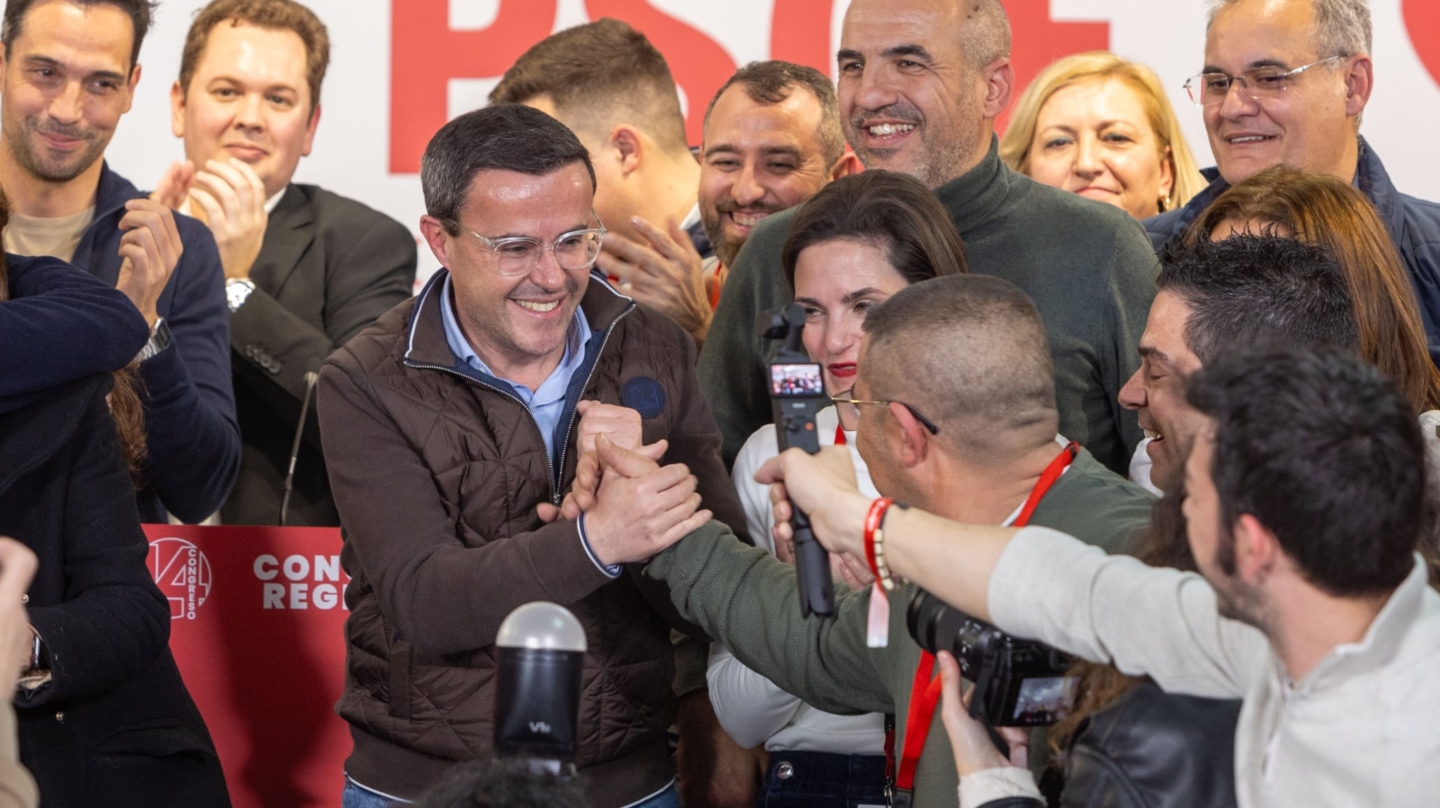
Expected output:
{"points": [[1422, 17], [183, 574]]}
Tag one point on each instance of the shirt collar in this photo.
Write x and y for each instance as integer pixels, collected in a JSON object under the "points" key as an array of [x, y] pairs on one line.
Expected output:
{"points": [[275, 200], [1384, 637], [465, 352], [692, 218]]}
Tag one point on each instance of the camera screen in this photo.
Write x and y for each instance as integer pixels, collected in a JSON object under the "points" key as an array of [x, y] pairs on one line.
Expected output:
{"points": [[1044, 700], [796, 381]]}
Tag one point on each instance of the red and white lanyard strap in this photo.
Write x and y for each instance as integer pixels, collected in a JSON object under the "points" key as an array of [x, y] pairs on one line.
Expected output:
{"points": [[925, 692]]}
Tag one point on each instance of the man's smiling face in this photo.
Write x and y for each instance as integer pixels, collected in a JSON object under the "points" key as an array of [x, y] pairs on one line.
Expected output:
{"points": [[1310, 126], [1157, 390], [909, 99], [522, 319]]}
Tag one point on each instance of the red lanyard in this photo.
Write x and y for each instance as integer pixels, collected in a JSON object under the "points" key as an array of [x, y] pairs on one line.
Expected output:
{"points": [[840, 435], [925, 693]]}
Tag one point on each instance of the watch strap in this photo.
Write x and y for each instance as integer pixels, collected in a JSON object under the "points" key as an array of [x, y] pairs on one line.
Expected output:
{"points": [[237, 291], [160, 339]]}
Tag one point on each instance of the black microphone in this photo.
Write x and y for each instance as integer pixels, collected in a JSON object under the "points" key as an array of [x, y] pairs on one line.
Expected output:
{"points": [[541, 656], [311, 377]]}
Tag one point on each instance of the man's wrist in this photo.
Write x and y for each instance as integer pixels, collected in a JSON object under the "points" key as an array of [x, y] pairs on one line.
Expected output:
{"points": [[610, 570], [160, 340], [844, 520]]}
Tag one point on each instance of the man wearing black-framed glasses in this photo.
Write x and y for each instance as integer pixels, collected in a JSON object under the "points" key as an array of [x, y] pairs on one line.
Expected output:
{"points": [[1287, 83], [452, 428]]}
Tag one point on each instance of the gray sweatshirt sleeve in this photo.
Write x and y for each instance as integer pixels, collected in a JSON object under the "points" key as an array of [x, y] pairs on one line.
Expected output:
{"points": [[1146, 621]]}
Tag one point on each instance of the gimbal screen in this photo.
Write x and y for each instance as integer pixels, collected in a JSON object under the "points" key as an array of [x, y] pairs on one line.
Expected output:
{"points": [[796, 381]]}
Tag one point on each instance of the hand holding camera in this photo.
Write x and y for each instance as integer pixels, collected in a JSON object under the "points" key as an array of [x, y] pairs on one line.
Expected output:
{"points": [[970, 739]]}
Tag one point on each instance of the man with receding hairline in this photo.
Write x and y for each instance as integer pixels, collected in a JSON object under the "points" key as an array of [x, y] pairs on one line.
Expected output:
{"points": [[921, 85], [1287, 82], [967, 353]]}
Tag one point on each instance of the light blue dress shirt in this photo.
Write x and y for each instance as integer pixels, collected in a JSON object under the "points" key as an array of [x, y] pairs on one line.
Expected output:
{"points": [[547, 402]]}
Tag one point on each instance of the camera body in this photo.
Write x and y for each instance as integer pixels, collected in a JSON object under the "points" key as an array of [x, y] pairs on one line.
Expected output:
{"points": [[797, 394], [1018, 683]]}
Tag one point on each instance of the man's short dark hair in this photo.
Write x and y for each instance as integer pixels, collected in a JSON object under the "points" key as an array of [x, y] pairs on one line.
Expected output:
{"points": [[504, 784], [274, 15], [1249, 290], [772, 82], [969, 352], [507, 137], [140, 12], [1318, 447], [598, 75]]}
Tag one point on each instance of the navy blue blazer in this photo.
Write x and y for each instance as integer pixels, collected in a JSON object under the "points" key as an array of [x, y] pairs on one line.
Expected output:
{"points": [[191, 432]]}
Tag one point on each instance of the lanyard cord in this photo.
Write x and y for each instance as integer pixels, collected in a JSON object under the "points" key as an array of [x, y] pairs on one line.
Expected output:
{"points": [[925, 692]]}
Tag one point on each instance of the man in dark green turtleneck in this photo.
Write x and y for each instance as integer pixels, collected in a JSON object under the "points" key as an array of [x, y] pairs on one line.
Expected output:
{"points": [[921, 84]]}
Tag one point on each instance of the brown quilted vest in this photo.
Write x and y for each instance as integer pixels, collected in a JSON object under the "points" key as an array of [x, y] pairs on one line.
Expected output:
{"points": [[414, 714]]}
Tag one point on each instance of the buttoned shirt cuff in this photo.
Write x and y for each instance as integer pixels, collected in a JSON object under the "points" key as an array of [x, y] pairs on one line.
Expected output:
{"points": [[1000, 783], [611, 571]]}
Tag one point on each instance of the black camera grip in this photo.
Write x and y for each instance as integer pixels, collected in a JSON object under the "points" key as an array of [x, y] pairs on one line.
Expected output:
{"points": [[812, 567]]}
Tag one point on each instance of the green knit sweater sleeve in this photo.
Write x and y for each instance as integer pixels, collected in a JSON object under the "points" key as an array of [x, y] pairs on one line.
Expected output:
{"points": [[747, 599]]}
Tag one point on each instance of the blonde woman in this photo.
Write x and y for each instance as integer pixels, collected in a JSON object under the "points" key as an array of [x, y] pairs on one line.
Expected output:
{"points": [[1102, 127]]}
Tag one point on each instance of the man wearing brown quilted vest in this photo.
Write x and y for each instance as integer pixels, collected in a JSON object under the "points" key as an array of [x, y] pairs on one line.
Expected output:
{"points": [[451, 428]]}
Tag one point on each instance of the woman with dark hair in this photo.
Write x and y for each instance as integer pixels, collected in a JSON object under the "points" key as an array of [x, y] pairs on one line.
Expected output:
{"points": [[104, 718], [858, 241]]}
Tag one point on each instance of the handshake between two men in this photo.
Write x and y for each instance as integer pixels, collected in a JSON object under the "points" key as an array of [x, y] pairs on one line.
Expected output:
{"points": [[635, 507]]}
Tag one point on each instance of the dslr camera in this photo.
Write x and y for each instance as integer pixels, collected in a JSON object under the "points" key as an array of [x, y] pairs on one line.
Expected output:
{"points": [[797, 393], [1018, 683]]}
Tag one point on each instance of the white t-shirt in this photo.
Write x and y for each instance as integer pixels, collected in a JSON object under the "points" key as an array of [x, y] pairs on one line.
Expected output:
{"points": [[750, 707]]}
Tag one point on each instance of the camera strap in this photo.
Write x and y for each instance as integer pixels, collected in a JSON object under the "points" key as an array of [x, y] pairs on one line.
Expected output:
{"points": [[925, 692]]}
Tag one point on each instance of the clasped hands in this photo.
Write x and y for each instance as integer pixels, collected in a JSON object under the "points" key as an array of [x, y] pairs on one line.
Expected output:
{"points": [[633, 506]]}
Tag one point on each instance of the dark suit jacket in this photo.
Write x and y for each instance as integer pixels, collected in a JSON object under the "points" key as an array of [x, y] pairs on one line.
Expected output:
{"points": [[328, 268], [115, 725]]}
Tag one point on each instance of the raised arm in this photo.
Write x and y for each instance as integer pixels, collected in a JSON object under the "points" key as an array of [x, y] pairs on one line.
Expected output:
{"points": [[1037, 583], [61, 325], [191, 431]]}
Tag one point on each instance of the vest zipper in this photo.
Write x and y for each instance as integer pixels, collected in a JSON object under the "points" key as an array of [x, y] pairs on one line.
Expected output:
{"points": [[558, 471]]}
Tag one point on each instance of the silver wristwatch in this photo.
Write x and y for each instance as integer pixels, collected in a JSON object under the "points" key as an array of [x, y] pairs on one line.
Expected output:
{"points": [[237, 290], [159, 340]]}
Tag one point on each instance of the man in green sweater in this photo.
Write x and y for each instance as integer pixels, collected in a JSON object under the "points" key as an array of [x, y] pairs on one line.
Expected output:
{"points": [[968, 355], [921, 84]]}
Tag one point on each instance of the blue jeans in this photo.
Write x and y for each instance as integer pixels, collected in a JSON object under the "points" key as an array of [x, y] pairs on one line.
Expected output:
{"points": [[822, 780], [356, 797]]}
